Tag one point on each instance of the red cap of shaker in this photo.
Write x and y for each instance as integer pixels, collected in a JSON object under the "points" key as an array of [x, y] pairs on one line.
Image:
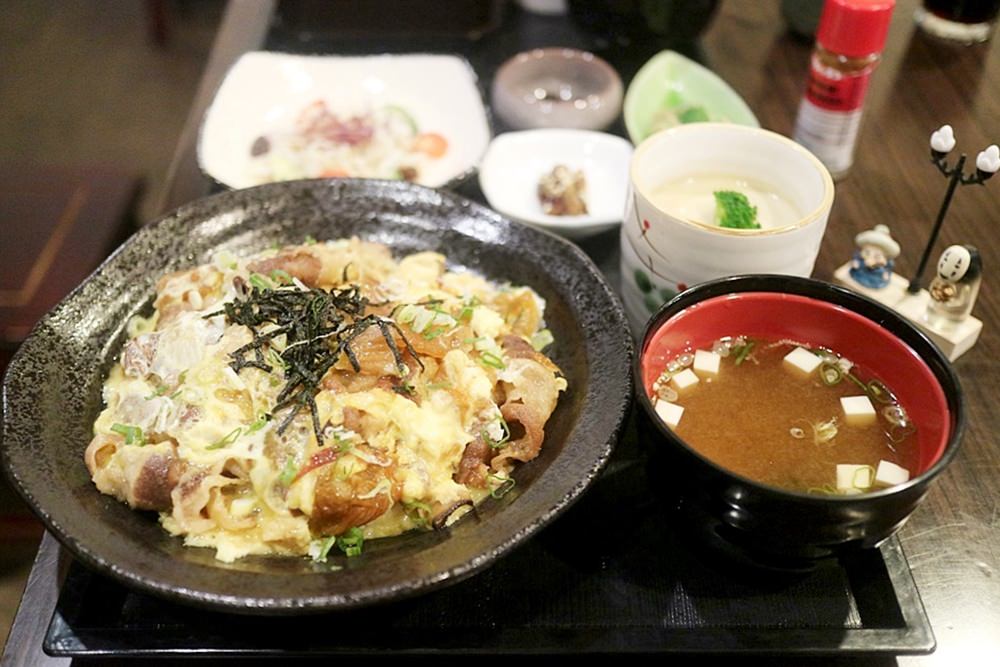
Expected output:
{"points": [[854, 28]]}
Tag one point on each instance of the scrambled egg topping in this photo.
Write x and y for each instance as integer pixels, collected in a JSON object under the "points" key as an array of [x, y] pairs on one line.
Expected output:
{"points": [[404, 437]]}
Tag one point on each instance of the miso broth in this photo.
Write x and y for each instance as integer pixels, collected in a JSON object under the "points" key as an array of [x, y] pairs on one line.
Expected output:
{"points": [[785, 428]]}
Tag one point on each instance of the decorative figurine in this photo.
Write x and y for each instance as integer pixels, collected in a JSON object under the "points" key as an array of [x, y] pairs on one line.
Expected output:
{"points": [[944, 312], [872, 262], [953, 291]]}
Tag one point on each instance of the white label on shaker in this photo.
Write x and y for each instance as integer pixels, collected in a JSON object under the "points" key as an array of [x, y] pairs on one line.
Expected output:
{"points": [[830, 135]]}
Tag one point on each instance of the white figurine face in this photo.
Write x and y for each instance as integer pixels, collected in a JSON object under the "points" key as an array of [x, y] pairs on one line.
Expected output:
{"points": [[873, 256], [954, 262]]}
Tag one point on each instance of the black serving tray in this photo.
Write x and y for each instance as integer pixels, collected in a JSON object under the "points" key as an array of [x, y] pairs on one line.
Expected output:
{"points": [[615, 574]]}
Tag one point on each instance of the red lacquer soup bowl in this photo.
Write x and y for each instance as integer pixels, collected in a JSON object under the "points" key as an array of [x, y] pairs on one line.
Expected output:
{"points": [[765, 525]]}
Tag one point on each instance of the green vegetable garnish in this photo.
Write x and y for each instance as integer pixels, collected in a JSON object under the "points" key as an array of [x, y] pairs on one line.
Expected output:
{"points": [[281, 277], [490, 359], [260, 282], [288, 473], [228, 440], [259, 424], [733, 210], [830, 374], [419, 513], [351, 542], [133, 434], [742, 352], [325, 547], [506, 484], [310, 240], [160, 391], [504, 437], [431, 334]]}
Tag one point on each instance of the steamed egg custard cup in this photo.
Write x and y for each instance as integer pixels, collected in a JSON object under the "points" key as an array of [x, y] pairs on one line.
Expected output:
{"points": [[665, 251], [766, 526]]}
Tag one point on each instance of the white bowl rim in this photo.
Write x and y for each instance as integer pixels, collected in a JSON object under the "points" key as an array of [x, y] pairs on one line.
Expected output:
{"points": [[654, 140]]}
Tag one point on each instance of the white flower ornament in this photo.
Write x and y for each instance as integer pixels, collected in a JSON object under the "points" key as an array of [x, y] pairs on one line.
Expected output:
{"points": [[943, 139], [989, 160]]}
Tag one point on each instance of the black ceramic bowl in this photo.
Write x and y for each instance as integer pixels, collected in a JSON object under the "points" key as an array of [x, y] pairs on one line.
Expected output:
{"points": [[52, 394], [767, 526]]}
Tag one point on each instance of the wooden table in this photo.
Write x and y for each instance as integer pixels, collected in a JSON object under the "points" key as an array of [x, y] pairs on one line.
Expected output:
{"points": [[953, 540]]}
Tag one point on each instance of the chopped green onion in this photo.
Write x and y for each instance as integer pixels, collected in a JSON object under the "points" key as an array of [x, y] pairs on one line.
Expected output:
{"points": [[542, 339], [324, 549], [830, 374], [505, 486], [856, 380], [259, 423], [431, 334], [228, 440], [281, 277], [351, 542], [289, 472], [160, 391], [310, 240], [743, 352], [133, 434], [490, 359], [260, 282], [504, 438], [879, 392], [418, 512], [275, 358], [473, 341]]}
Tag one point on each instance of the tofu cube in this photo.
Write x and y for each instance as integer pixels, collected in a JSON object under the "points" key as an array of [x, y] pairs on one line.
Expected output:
{"points": [[670, 413], [802, 362], [858, 410], [890, 474], [684, 380], [852, 477], [706, 363]]}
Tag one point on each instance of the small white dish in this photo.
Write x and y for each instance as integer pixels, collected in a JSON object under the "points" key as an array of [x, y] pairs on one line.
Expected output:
{"points": [[515, 161], [264, 93]]}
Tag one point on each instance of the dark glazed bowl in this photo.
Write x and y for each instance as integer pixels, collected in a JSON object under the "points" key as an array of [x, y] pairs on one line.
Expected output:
{"points": [[764, 526], [52, 394]]}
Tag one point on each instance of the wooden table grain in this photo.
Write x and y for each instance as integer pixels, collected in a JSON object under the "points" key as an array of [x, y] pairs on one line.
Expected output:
{"points": [[953, 539]]}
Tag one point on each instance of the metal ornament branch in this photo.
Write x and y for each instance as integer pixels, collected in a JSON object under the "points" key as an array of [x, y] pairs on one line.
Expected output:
{"points": [[987, 164]]}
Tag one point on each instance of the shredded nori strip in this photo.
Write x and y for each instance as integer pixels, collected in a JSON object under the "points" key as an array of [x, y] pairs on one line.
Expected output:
{"points": [[318, 325]]}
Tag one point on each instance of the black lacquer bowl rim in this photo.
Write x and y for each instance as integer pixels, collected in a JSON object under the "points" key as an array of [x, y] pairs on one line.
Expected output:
{"points": [[110, 544], [836, 295]]}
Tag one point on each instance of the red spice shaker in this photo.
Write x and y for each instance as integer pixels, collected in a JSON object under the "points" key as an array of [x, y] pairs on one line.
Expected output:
{"points": [[849, 43]]}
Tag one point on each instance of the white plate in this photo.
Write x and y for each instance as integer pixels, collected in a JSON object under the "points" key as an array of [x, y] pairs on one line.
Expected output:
{"points": [[265, 91], [515, 162]]}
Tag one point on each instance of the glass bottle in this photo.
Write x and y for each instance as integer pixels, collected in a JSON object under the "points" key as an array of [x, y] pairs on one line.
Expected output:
{"points": [[849, 44]]}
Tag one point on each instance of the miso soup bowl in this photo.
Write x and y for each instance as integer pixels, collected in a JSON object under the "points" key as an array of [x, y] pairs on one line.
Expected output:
{"points": [[770, 527]]}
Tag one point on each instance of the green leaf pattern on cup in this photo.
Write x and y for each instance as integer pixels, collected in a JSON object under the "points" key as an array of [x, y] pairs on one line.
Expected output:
{"points": [[652, 296]]}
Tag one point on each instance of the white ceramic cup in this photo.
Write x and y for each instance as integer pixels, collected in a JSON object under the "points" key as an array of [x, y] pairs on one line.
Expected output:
{"points": [[663, 254]]}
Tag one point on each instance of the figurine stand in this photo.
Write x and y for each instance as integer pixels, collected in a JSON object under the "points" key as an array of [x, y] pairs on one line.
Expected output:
{"points": [[954, 340]]}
